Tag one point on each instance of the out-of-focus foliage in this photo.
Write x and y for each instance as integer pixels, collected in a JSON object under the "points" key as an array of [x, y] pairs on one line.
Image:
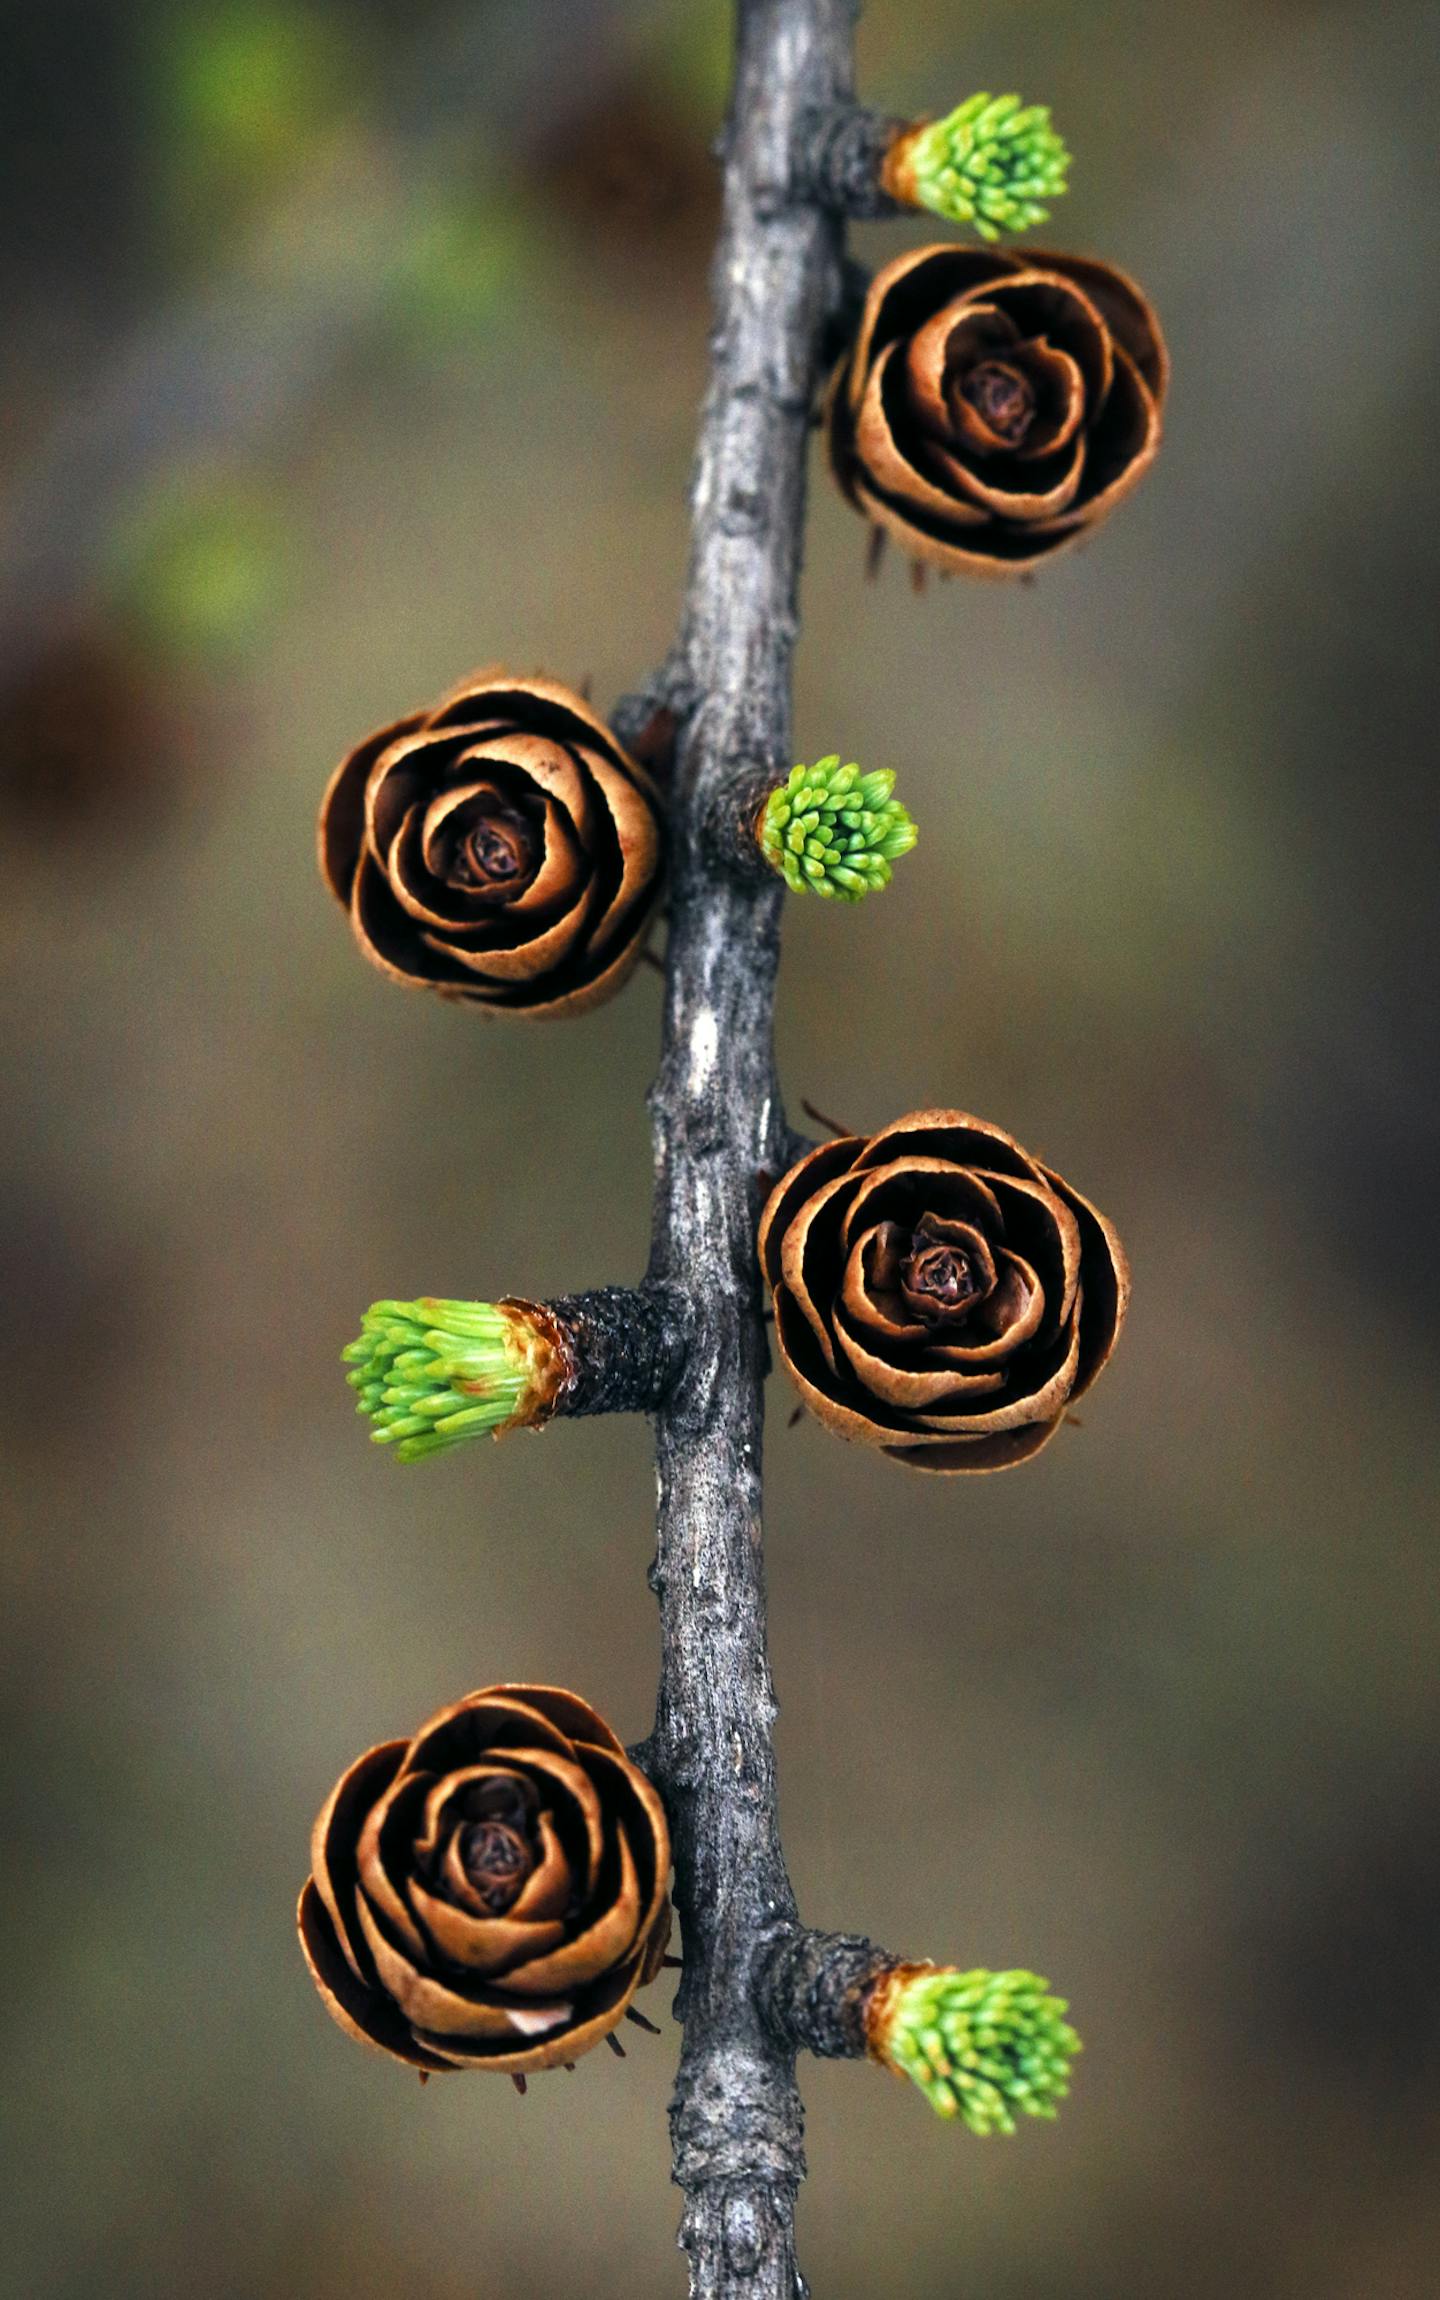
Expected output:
{"points": [[201, 560], [453, 266], [241, 93]]}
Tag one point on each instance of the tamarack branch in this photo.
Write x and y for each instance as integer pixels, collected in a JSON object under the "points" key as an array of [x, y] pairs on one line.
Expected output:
{"points": [[492, 1892]]}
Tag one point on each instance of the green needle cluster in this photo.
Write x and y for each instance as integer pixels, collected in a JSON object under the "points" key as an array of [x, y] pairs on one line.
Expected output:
{"points": [[831, 830], [989, 163], [982, 2046], [431, 1374]]}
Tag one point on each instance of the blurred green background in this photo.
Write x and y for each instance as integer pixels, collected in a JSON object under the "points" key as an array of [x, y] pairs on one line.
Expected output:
{"points": [[349, 344]]}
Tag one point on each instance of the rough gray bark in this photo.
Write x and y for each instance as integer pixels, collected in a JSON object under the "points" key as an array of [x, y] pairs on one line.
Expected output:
{"points": [[626, 1345], [839, 160], [719, 1130], [689, 1345], [812, 1989]]}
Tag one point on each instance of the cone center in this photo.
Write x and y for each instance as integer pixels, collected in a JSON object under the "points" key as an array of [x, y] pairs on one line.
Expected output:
{"points": [[940, 1280], [1003, 397], [496, 1860], [495, 849]]}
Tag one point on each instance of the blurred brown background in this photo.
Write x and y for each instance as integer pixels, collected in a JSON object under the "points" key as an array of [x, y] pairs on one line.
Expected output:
{"points": [[349, 343]]}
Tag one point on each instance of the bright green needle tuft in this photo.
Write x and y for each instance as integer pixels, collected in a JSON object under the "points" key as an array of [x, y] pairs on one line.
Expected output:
{"points": [[833, 831], [984, 2047], [430, 1374], [989, 163]]}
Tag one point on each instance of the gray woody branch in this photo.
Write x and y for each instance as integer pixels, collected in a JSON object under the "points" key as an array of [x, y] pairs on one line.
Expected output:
{"points": [[838, 157], [736, 2119], [756, 1987]]}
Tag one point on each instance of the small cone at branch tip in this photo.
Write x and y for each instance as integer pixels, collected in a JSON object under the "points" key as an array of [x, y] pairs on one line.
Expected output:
{"points": [[498, 847], [940, 1292], [831, 830], [989, 163], [491, 1893], [430, 1374], [984, 2047]]}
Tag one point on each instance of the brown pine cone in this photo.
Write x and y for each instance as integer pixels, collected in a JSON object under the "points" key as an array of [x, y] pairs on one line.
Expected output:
{"points": [[993, 408], [501, 848], [492, 1893], [939, 1292]]}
